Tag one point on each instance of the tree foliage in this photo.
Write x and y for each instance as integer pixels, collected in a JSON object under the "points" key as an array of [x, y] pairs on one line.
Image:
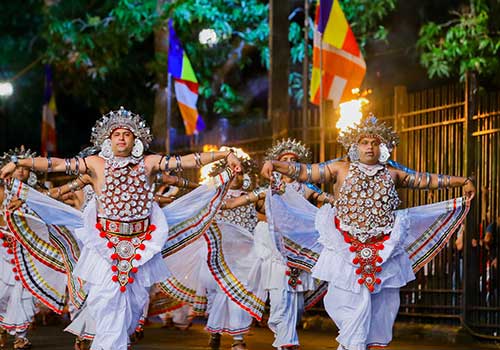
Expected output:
{"points": [[103, 52], [468, 42]]}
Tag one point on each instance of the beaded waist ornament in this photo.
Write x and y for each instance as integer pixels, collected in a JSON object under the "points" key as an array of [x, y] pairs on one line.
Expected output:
{"points": [[125, 240], [367, 256], [8, 245]]}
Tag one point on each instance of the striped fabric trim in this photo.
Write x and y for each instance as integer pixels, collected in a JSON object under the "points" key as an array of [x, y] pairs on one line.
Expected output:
{"points": [[41, 250], [229, 331], [163, 304], [18, 328], [65, 242], [299, 256], [377, 346], [35, 283], [432, 241], [200, 305], [85, 335], [311, 298], [189, 230], [224, 277], [175, 289]]}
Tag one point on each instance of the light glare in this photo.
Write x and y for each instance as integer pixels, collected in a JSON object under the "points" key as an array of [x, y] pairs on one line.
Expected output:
{"points": [[6, 89]]}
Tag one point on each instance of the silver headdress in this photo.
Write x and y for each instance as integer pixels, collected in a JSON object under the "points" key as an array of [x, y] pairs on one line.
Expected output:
{"points": [[289, 146], [19, 153], [121, 119], [370, 127]]}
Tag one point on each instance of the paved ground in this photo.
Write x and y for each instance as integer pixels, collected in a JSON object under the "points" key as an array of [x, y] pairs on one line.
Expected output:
{"points": [[52, 337]]}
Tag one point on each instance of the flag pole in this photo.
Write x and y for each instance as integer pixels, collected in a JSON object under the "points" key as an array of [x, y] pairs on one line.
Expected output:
{"points": [[305, 72], [321, 104], [169, 112]]}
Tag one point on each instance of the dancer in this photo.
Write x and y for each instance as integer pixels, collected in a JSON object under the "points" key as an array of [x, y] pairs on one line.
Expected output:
{"points": [[236, 226], [124, 231], [285, 283], [18, 296], [370, 249]]}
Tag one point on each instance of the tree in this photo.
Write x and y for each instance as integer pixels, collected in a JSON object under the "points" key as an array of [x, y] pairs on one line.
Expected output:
{"points": [[468, 43], [104, 55]]}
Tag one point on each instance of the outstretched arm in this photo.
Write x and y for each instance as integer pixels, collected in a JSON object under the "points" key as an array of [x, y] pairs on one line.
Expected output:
{"points": [[312, 173], [252, 197], [194, 160], [72, 166], [428, 181], [72, 186], [178, 181]]}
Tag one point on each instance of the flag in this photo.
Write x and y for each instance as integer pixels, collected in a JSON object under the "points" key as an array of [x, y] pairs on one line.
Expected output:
{"points": [[185, 84], [343, 64], [49, 141]]}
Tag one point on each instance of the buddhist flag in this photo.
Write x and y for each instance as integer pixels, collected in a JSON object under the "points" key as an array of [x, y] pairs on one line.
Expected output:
{"points": [[185, 84], [49, 141], [343, 64]]}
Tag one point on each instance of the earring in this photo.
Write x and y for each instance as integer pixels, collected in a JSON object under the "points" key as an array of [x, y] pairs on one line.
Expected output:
{"points": [[106, 151], [32, 179], [138, 148], [353, 153], [247, 182], [384, 153]]}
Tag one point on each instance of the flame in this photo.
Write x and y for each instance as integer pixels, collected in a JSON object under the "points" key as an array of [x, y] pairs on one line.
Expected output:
{"points": [[350, 113], [205, 170]]}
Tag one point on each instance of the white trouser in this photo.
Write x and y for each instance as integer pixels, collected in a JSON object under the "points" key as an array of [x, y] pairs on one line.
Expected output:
{"points": [[363, 319], [286, 311]]}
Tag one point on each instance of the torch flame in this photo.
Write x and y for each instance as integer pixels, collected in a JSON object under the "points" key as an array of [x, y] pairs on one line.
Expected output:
{"points": [[350, 113]]}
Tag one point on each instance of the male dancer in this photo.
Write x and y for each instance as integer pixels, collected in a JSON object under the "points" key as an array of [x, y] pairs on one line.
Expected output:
{"points": [[369, 247], [124, 231]]}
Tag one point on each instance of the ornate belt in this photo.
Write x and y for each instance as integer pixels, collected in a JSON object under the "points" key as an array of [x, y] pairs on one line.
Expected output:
{"points": [[367, 257], [126, 239], [293, 277]]}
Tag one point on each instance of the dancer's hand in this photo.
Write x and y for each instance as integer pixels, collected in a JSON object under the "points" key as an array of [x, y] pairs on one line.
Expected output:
{"points": [[234, 163], [7, 170], [15, 203], [469, 190], [267, 170]]}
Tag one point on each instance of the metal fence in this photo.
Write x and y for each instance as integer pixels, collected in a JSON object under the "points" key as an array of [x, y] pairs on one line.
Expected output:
{"points": [[445, 130]]}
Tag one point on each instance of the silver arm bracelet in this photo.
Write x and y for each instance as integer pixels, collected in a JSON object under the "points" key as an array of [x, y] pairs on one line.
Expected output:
{"points": [[428, 179], [322, 177], [77, 166], [419, 180], [67, 163], [167, 160], [309, 172], [411, 181], [440, 180], [49, 164], [296, 171], [197, 159], [178, 163]]}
